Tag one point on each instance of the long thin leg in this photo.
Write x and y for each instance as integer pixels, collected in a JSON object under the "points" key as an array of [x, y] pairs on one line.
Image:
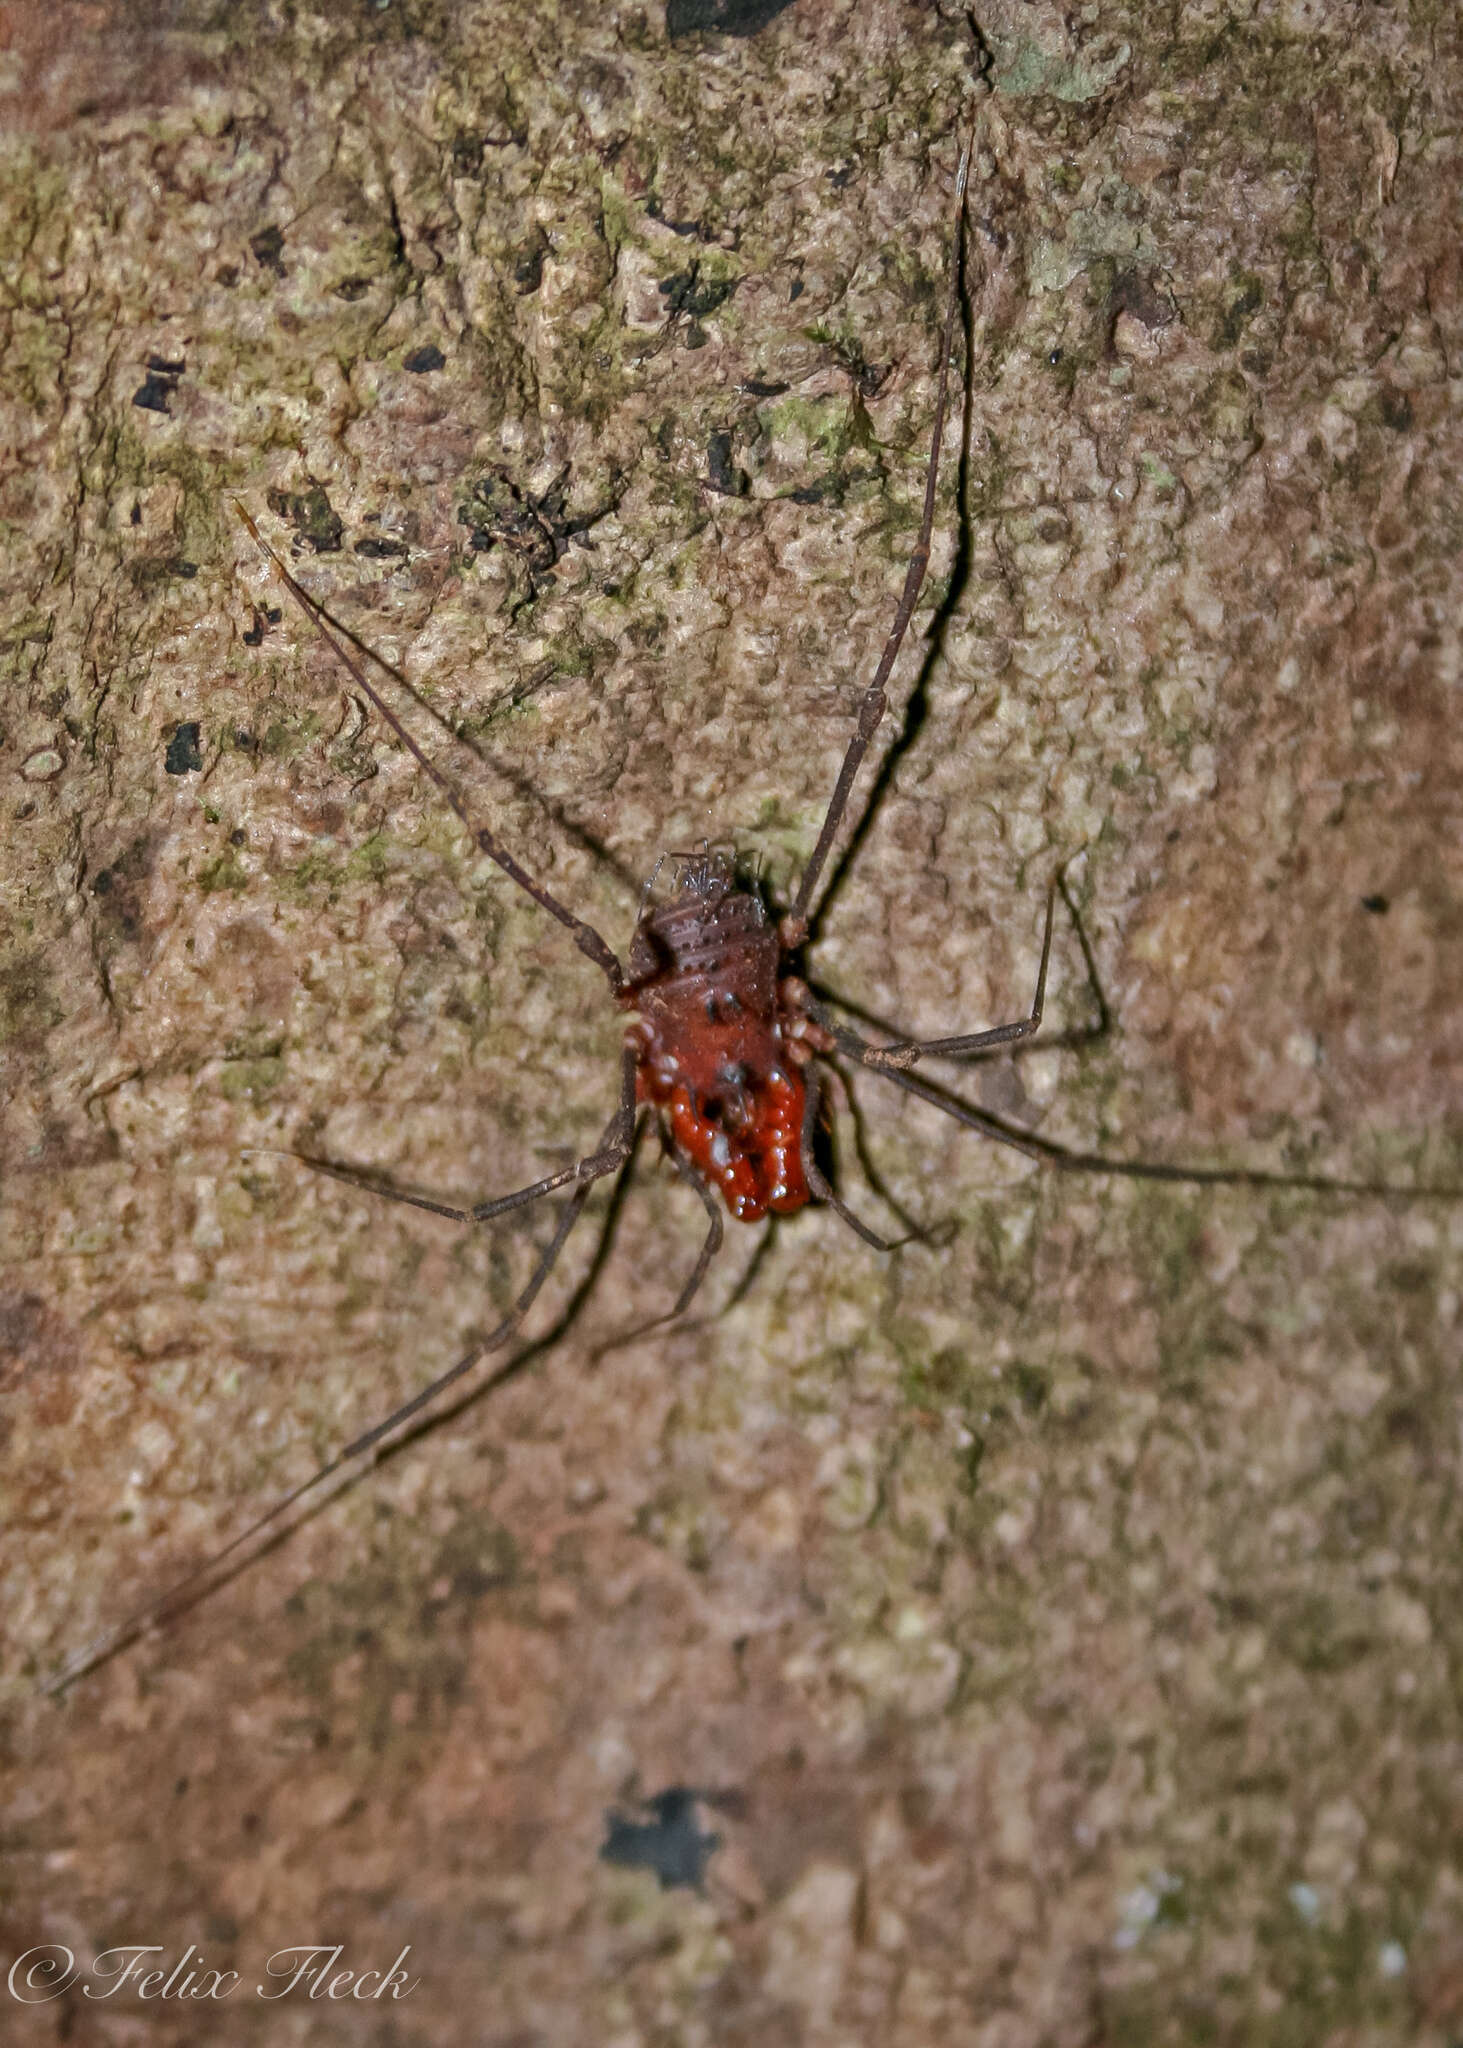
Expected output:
{"points": [[187, 1591], [1060, 1041], [1065, 1160], [711, 1243], [710, 1246], [819, 1183], [751, 1272], [872, 708], [585, 937], [899, 1057], [869, 1166], [591, 1167]]}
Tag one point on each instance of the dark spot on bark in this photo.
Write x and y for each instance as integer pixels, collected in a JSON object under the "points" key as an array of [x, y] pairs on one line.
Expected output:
{"points": [[720, 17], [423, 359], [829, 490], [161, 382], [312, 516], [686, 293], [528, 270], [184, 756], [1135, 293], [722, 472], [677, 227], [254, 635], [146, 572], [267, 248], [534, 527], [671, 1844], [352, 288], [118, 890], [153, 394], [376, 549]]}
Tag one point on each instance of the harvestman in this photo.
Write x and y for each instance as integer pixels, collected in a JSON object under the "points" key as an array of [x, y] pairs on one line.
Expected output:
{"points": [[723, 1045]]}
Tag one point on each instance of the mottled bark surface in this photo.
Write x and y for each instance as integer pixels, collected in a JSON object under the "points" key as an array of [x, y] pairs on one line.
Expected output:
{"points": [[1059, 1620]]}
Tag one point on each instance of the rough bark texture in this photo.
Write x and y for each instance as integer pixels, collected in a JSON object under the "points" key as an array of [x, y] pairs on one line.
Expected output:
{"points": [[1059, 1620]]}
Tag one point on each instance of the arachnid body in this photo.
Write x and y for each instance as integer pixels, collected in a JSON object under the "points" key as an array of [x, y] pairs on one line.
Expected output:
{"points": [[721, 1040]]}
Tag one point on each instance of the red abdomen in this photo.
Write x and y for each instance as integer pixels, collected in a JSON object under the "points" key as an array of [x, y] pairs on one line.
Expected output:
{"points": [[758, 1165]]}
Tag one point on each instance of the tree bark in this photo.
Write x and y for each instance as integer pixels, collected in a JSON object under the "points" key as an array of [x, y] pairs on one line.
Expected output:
{"points": [[1056, 1620]]}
